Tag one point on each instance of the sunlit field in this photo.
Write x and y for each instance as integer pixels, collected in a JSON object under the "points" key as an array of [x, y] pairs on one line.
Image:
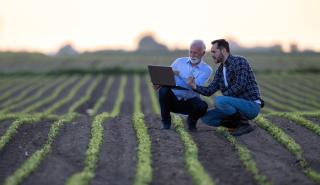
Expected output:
{"points": [[94, 119]]}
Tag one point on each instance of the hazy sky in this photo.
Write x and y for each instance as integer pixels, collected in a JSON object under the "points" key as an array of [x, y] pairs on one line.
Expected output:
{"points": [[44, 25]]}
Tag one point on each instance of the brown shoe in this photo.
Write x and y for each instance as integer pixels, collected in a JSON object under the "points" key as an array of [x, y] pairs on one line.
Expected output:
{"points": [[231, 129], [242, 129], [233, 120]]}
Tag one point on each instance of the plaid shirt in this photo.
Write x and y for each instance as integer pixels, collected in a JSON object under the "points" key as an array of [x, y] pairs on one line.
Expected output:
{"points": [[240, 78]]}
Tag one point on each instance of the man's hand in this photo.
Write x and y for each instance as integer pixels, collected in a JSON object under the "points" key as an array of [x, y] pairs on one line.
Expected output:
{"points": [[177, 73], [191, 82], [156, 87]]}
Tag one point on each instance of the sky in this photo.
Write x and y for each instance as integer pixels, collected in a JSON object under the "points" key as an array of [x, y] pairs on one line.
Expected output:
{"points": [[46, 25]]}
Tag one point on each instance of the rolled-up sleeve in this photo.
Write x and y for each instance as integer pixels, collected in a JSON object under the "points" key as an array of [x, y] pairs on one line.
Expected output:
{"points": [[211, 89]]}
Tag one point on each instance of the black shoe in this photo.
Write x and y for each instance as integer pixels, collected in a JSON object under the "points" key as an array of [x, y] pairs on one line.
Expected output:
{"points": [[192, 129], [165, 126], [192, 124], [242, 129], [228, 124], [233, 117]]}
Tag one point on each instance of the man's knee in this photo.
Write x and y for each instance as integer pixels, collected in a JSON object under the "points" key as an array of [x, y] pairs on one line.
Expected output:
{"points": [[200, 106], [203, 106], [219, 101], [164, 92]]}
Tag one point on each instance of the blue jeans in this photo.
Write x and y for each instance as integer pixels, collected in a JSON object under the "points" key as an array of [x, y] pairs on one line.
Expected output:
{"points": [[226, 106]]}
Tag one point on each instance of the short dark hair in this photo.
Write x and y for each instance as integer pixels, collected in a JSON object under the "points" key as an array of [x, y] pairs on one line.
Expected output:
{"points": [[222, 43]]}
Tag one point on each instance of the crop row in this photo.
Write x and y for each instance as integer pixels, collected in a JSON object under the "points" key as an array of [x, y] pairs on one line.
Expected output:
{"points": [[293, 91], [21, 119], [70, 95], [277, 133], [19, 87], [87, 95], [289, 143], [35, 159], [102, 98], [144, 169], [24, 94], [289, 93], [297, 118], [92, 154], [33, 97], [50, 98]]}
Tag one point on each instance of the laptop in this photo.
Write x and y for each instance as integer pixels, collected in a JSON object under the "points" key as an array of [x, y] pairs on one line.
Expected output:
{"points": [[164, 76]]}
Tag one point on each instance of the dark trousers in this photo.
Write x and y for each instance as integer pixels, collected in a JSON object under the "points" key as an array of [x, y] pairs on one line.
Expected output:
{"points": [[194, 107]]}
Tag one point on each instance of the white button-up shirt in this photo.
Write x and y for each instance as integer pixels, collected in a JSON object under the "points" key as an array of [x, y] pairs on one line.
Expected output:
{"points": [[201, 72]]}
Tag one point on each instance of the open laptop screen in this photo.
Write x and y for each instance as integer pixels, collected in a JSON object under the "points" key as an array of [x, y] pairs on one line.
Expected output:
{"points": [[161, 75]]}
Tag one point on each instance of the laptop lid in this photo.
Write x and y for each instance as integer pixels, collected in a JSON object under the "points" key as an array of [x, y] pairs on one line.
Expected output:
{"points": [[161, 75]]}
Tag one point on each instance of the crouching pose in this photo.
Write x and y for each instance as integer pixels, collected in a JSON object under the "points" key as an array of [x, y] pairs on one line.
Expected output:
{"points": [[186, 101], [241, 97]]}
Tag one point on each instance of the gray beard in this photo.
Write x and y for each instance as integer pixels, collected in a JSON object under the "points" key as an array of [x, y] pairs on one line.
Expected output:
{"points": [[197, 61]]}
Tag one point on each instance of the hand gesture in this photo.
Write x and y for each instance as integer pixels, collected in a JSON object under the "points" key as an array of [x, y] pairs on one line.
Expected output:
{"points": [[156, 87], [191, 82]]}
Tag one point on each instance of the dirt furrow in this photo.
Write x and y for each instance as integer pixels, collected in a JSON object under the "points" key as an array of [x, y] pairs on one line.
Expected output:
{"points": [[308, 140], [28, 139], [219, 157], [112, 95], [67, 155], [166, 147], [82, 91], [97, 92], [4, 125], [117, 161]]}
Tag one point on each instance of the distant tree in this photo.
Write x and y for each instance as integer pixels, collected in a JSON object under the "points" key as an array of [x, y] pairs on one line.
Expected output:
{"points": [[308, 51], [276, 48], [148, 43], [67, 50], [234, 46], [294, 48]]}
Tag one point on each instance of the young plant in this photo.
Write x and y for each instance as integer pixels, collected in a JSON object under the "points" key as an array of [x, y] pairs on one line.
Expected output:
{"points": [[290, 144], [144, 170], [197, 172]]}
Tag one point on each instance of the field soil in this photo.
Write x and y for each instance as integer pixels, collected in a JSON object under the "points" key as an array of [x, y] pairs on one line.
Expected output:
{"points": [[118, 154]]}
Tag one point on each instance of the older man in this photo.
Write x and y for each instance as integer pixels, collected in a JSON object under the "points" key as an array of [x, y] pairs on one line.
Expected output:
{"points": [[241, 97], [186, 101]]}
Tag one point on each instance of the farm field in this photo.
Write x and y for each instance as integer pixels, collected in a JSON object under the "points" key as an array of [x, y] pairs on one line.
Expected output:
{"points": [[11, 62], [105, 129]]}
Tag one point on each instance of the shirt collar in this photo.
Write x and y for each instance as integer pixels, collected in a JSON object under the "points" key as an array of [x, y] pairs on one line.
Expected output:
{"points": [[229, 59]]}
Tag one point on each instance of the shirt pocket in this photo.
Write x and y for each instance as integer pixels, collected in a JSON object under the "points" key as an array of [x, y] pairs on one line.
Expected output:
{"points": [[196, 73], [231, 78]]}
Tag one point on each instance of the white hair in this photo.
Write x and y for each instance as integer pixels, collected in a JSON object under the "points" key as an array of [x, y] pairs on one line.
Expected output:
{"points": [[200, 43]]}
